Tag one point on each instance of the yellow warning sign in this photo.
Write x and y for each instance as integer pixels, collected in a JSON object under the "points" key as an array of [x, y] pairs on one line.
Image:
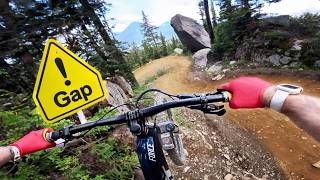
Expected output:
{"points": [[65, 83]]}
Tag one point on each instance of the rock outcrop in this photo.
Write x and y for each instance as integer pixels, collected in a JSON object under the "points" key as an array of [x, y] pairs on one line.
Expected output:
{"points": [[126, 87], [283, 20], [317, 64], [116, 96], [201, 58], [178, 51], [216, 71], [274, 59], [190, 33], [197, 40]]}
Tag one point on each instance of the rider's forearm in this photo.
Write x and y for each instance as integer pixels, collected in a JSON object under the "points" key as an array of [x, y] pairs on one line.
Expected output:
{"points": [[303, 110], [5, 155]]}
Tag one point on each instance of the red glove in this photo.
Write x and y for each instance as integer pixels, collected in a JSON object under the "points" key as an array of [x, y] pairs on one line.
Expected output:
{"points": [[247, 92], [33, 142]]}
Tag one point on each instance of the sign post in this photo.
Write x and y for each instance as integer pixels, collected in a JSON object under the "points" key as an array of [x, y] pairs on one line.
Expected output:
{"points": [[65, 84], [82, 117]]}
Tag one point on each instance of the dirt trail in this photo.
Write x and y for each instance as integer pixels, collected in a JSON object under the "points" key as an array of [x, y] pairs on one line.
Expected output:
{"points": [[236, 147]]}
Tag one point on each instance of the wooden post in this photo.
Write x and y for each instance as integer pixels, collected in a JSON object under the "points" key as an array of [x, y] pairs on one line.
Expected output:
{"points": [[82, 117]]}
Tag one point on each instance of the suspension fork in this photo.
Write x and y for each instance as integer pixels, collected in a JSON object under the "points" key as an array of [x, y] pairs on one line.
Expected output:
{"points": [[151, 157]]}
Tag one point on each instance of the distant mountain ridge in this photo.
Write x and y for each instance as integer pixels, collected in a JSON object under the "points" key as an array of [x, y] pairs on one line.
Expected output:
{"points": [[133, 33]]}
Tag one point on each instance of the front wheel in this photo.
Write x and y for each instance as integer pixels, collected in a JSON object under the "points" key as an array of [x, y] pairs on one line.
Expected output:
{"points": [[171, 140], [177, 154]]}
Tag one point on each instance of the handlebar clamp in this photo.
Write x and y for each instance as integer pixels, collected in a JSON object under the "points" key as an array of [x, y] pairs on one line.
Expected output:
{"points": [[133, 124]]}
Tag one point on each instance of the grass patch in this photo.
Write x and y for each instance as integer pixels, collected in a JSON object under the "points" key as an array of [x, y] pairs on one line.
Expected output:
{"points": [[138, 90], [145, 86], [158, 74], [180, 120]]}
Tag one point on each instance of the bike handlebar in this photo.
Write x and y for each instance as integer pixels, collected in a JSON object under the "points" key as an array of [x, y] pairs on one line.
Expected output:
{"points": [[69, 130]]}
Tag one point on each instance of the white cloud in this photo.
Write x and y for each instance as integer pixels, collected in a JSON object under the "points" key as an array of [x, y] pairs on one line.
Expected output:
{"points": [[164, 10], [293, 7]]}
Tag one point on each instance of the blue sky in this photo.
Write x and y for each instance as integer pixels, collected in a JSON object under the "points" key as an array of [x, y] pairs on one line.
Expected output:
{"points": [[160, 11]]}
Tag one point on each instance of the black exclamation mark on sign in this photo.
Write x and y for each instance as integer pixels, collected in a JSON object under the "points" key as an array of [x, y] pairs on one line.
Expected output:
{"points": [[62, 70]]}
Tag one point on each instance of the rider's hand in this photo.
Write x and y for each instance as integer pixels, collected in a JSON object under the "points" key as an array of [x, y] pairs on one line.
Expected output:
{"points": [[247, 92], [33, 142]]}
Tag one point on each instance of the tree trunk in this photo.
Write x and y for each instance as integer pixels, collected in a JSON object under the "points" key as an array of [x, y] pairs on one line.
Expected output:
{"points": [[208, 19], [116, 53]]}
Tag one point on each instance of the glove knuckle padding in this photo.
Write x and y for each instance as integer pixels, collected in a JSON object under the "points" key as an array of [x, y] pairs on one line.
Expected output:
{"points": [[246, 92]]}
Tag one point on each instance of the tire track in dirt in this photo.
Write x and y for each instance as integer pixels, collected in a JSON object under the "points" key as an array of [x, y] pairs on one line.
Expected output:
{"points": [[245, 131]]}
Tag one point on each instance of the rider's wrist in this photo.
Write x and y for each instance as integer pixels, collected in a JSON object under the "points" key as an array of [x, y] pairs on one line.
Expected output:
{"points": [[15, 153], [7, 152], [268, 94]]}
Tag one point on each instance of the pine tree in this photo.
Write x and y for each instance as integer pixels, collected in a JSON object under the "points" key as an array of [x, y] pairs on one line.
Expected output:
{"points": [[164, 49], [226, 9], [148, 52], [175, 43], [134, 57], [149, 31], [115, 54], [25, 25]]}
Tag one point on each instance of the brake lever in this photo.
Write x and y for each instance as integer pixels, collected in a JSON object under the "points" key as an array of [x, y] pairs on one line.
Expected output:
{"points": [[210, 109], [216, 112]]}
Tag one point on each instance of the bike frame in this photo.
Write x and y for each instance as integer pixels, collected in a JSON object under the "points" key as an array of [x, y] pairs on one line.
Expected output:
{"points": [[149, 148], [151, 157]]}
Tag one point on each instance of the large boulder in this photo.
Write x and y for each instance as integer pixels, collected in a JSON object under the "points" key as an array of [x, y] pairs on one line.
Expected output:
{"points": [[190, 33]]}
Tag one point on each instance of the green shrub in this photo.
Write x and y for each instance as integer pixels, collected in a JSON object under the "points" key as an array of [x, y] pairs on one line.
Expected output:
{"points": [[277, 39], [140, 55], [64, 163], [307, 24], [223, 41], [310, 52], [234, 26], [120, 161]]}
